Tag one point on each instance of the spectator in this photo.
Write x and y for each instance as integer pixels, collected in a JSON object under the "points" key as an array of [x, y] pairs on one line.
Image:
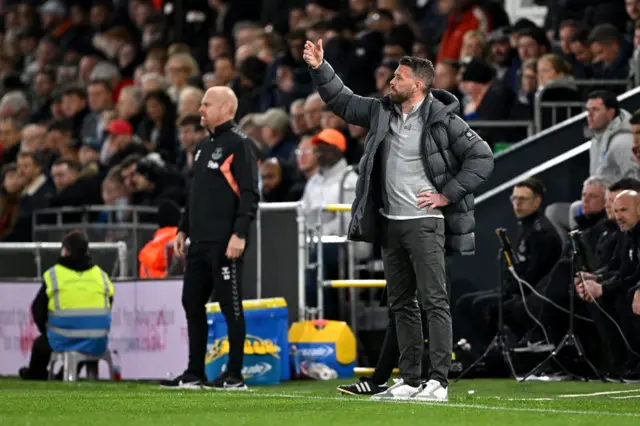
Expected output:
{"points": [[556, 84], [313, 107], [12, 186], [503, 57], [74, 106], [189, 102], [307, 166], [36, 195], [274, 133], [612, 142], [100, 97], [474, 46], [9, 140], [610, 53], [324, 188], [466, 16], [581, 50], [158, 127], [191, 133], [120, 144], [276, 181], [486, 99], [566, 32], [129, 106], [33, 136], [524, 103], [446, 77], [14, 105], [71, 188], [297, 121], [154, 184]]}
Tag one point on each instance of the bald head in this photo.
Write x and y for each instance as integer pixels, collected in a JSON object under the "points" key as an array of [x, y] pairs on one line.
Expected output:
{"points": [[219, 105], [627, 209]]}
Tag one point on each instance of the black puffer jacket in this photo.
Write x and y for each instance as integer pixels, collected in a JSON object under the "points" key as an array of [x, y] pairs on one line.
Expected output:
{"points": [[456, 160]]}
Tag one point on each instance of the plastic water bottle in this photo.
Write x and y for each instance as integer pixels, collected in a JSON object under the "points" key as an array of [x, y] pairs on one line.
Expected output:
{"points": [[116, 366]]}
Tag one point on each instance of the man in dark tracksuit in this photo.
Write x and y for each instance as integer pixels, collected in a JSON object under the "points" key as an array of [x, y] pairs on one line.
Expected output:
{"points": [[538, 248], [417, 176], [223, 202], [614, 291]]}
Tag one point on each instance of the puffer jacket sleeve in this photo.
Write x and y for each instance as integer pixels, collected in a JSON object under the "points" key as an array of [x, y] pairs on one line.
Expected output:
{"points": [[474, 156], [340, 99]]}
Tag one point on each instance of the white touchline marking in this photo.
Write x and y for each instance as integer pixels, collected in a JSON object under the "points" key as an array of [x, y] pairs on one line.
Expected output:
{"points": [[625, 397], [444, 405], [580, 395]]}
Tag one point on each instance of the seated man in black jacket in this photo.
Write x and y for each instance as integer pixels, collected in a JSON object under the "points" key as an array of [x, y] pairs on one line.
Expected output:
{"points": [[613, 292], [597, 223], [538, 248]]}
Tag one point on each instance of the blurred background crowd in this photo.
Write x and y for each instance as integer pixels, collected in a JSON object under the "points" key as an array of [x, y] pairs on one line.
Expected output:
{"points": [[99, 100]]}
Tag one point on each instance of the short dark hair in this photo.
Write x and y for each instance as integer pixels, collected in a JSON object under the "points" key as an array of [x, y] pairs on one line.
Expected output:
{"points": [[604, 33], [76, 243], [6, 169], [609, 99], [581, 36], [35, 157], [130, 160], [105, 83], [71, 164], [534, 184], [625, 184], [63, 126], [75, 90], [635, 118], [191, 120], [422, 69], [568, 23], [451, 63]]}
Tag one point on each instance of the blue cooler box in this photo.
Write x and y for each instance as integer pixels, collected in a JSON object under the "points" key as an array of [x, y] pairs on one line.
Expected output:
{"points": [[266, 347]]}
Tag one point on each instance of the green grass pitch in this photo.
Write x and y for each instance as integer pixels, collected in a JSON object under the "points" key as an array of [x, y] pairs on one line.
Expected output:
{"points": [[471, 402]]}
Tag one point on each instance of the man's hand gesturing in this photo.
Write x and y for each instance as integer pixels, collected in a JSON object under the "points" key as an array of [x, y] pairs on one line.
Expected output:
{"points": [[313, 53]]}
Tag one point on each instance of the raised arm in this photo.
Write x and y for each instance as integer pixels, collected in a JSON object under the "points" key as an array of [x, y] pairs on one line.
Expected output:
{"points": [[340, 99]]}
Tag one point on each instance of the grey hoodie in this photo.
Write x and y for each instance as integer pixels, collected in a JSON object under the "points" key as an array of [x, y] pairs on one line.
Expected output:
{"points": [[610, 154]]}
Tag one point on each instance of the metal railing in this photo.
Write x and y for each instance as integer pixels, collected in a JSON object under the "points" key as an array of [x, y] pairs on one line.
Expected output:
{"points": [[119, 270], [571, 108], [133, 224], [503, 124]]}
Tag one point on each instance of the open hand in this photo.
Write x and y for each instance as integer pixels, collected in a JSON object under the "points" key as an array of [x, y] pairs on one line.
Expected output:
{"points": [[313, 53], [235, 248], [431, 200]]}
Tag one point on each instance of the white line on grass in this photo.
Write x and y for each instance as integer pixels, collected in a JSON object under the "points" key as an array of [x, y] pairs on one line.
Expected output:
{"points": [[625, 397], [445, 405], [581, 395]]}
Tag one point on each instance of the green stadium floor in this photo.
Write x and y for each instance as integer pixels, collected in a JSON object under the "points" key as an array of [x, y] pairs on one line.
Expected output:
{"points": [[471, 402]]}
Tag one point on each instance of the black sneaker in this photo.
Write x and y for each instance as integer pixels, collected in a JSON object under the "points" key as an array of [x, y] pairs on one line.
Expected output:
{"points": [[226, 382], [184, 381], [364, 387]]}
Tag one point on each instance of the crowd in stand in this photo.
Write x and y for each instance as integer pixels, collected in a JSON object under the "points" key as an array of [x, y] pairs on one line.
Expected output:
{"points": [[100, 99]]}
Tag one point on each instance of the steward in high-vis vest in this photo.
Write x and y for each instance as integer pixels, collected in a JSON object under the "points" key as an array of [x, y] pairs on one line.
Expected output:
{"points": [[72, 310], [153, 262]]}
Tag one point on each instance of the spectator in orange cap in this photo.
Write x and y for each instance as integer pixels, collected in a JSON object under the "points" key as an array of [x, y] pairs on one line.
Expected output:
{"points": [[334, 183], [121, 143]]}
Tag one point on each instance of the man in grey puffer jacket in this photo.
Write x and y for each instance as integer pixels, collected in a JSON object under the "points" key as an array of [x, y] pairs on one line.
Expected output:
{"points": [[610, 154], [416, 180]]}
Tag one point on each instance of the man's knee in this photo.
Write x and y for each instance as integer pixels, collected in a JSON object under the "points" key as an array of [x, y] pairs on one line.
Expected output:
{"points": [[192, 306]]}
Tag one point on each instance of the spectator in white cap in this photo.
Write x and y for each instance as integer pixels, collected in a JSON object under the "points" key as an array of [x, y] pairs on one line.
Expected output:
{"points": [[274, 124]]}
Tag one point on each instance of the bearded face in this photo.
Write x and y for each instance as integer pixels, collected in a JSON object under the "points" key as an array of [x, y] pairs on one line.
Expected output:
{"points": [[403, 85]]}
